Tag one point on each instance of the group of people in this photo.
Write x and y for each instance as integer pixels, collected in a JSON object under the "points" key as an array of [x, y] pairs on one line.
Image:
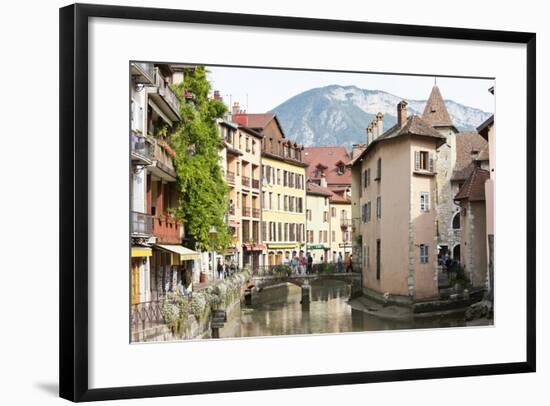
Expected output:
{"points": [[225, 269], [445, 260], [301, 264]]}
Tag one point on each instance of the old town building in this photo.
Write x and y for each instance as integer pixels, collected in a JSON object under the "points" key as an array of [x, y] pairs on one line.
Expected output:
{"points": [[242, 147], [395, 186], [159, 260], [283, 188], [318, 221]]}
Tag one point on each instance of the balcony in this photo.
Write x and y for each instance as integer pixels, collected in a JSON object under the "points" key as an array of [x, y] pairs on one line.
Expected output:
{"points": [[167, 230], [165, 98], [247, 211], [230, 177], [142, 150], [142, 224], [255, 183], [245, 181], [345, 222], [256, 213], [143, 72], [163, 166]]}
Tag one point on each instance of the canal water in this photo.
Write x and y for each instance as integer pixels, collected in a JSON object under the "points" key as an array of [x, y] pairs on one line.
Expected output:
{"points": [[278, 311]]}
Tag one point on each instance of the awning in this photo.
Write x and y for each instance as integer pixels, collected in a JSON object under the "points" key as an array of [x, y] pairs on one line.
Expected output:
{"points": [[254, 247], [141, 252], [185, 253], [233, 223], [283, 246]]}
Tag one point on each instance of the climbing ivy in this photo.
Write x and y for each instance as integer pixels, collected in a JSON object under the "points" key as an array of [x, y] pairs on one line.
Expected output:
{"points": [[197, 143]]}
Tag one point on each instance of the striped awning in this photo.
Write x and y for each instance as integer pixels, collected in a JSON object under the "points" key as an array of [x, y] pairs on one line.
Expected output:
{"points": [[184, 253]]}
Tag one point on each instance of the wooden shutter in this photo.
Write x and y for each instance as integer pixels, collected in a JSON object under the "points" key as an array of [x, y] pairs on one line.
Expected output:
{"points": [[416, 160], [431, 163]]}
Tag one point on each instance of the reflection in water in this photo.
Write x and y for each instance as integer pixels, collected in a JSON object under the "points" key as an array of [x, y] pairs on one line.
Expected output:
{"points": [[278, 311]]}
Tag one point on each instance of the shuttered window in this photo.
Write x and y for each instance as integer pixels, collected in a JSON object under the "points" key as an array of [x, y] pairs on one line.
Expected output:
{"points": [[424, 201]]}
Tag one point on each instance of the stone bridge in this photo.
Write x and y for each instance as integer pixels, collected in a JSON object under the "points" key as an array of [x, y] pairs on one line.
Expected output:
{"points": [[259, 282]]}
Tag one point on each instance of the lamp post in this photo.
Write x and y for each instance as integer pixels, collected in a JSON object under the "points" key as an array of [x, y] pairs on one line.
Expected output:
{"points": [[213, 233]]}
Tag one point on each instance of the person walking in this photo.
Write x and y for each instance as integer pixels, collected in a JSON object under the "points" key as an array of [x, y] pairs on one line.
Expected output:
{"points": [[349, 264], [340, 263], [220, 269], [309, 264]]}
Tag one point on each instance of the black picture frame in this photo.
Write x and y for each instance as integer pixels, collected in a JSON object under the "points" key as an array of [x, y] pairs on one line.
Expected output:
{"points": [[73, 272]]}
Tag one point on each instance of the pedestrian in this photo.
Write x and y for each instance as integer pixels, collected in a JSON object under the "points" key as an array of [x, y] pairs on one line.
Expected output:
{"points": [[309, 264], [303, 263], [220, 270], [340, 263], [349, 264]]}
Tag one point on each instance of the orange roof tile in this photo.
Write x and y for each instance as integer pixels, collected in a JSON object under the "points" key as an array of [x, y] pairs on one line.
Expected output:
{"points": [[328, 157]]}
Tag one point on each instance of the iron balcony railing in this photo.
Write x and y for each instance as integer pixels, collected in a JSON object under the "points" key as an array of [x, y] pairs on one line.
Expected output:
{"points": [[256, 213], [167, 93], [142, 223], [345, 222], [255, 184], [247, 211], [141, 147], [245, 181]]}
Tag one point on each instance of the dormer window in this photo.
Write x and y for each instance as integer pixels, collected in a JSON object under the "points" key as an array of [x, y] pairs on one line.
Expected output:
{"points": [[433, 109], [340, 168]]}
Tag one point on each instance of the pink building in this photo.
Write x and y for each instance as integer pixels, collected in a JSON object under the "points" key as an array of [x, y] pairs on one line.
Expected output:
{"points": [[394, 194]]}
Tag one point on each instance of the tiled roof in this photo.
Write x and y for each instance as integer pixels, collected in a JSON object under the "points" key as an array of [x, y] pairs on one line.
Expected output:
{"points": [[315, 189], [339, 198], [468, 146], [259, 120], [328, 157], [474, 187], [435, 112]]}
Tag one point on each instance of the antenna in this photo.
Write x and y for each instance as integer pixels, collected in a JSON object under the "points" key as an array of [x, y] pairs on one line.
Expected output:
{"points": [[435, 80], [247, 109]]}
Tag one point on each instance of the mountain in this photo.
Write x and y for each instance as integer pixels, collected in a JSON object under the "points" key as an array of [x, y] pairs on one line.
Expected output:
{"points": [[339, 115]]}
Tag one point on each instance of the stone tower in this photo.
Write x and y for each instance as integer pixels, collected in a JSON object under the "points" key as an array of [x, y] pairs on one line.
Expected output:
{"points": [[436, 114]]}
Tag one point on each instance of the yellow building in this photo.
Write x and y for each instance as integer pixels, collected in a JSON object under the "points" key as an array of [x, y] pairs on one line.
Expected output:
{"points": [[283, 189]]}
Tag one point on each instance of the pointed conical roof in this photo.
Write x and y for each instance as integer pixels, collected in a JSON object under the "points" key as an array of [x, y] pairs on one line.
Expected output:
{"points": [[435, 112]]}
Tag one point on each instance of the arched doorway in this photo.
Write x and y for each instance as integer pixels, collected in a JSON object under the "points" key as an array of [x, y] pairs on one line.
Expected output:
{"points": [[456, 252]]}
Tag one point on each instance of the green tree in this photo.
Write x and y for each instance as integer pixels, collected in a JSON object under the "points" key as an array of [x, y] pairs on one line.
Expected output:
{"points": [[196, 140]]}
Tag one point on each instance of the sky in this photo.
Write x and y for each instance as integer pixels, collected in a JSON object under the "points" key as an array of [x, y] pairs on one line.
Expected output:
{"points": [[260, 90]]}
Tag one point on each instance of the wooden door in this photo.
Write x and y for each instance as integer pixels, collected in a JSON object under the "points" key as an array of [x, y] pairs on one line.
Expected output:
{"points": [[135, 280]]}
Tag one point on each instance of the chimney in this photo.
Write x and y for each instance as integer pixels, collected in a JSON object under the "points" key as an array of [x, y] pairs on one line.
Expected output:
{"points": [[356, 150], [217, 95], [401, 113], [240, 118], [236, 108], [323, 180], [369, 134], [379, 124], [374, 126]]}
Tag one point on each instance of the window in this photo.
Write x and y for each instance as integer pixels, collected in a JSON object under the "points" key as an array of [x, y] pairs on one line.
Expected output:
{"points": [[270, 200], [247, 144], [278, 201], [325, 236], [278, 176], [237, 166], [253, 146], [368, 212], [423, 161], [286, 232], [340, 169], [325, 216], [423, 254], [279, 231], [263, 200], [320, 236], [264, 236], [364, 213], [456, 221], [285, 178], [308, 215], [333, 235], [333, 211], [378, 169], [424, 201], [378, 255], [378, 207]]}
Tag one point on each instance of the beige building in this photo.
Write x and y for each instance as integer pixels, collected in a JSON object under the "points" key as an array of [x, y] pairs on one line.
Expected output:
{"points": [[394, 193], [318, 221], [487, 131], [340, 226], [471, 198], [283, 189], [242, 148]]}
